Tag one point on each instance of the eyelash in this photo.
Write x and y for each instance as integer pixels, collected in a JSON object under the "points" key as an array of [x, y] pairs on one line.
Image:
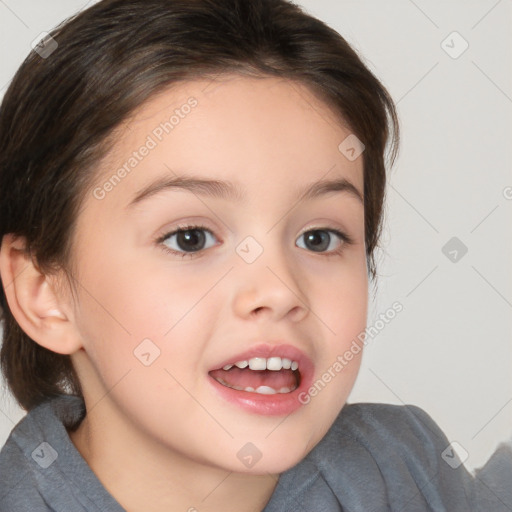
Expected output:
{"points": [[346, 239]]}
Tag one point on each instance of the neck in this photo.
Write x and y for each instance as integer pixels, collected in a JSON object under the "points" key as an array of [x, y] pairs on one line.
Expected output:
{"points": [[147, 478]]}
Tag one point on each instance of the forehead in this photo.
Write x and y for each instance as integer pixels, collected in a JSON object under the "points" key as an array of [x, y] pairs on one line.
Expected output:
{"points": [[245, 130]]}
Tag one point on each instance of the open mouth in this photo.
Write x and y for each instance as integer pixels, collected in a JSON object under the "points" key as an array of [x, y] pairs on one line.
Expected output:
{"points": [[265, 376]]}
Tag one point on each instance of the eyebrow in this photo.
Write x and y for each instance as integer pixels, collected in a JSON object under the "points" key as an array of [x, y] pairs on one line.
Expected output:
{"points": [[228, 190]]}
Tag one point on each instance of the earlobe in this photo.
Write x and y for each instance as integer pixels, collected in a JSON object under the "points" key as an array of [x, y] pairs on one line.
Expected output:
{"points": [[33, 301]]}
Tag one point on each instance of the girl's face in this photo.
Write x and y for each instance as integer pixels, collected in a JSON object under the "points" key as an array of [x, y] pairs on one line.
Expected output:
{"points": [[258, 270]]}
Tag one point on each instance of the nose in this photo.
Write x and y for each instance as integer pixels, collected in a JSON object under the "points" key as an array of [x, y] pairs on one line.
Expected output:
{"points": [[269, 288]]}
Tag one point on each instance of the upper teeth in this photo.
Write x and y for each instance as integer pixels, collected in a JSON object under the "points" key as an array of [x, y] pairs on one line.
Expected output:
{"points": [[262, 363]]}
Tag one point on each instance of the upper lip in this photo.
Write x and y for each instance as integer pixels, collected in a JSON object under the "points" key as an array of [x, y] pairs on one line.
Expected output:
{"points": [[266, 350]]}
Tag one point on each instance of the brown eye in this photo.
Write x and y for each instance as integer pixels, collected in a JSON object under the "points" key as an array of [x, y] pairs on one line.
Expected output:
{"points": [[323, 240], [188, 239]]}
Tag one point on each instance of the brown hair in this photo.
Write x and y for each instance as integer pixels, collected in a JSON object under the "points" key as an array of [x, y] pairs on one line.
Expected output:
{"points": [[59, 114]]}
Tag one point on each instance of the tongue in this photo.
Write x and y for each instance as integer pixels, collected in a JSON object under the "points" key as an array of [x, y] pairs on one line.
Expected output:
{"points": [[246, 378]]}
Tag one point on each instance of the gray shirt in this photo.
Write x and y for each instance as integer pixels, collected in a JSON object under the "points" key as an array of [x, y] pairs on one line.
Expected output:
{"points": [[375, 457]]}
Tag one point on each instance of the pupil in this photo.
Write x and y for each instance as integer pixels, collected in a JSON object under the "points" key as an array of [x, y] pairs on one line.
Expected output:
{"points": [[318, 239], [190, 239]]}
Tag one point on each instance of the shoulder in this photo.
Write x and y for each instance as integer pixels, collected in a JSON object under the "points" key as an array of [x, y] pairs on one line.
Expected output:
{"points": [[382, 433], [42, 470], [382, 428], [27, 457], [394, 456], [16, 473], [495, 478], [13, 471]]}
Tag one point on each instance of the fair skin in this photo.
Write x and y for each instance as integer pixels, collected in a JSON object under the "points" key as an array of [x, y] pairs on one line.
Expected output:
{"points": [[159, 437]]}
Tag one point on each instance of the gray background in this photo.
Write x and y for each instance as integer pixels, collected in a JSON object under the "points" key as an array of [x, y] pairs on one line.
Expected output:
{"points": [[449, 351]]}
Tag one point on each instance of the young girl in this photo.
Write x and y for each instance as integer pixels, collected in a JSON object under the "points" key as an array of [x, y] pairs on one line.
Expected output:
{"points": [[191, 194]]}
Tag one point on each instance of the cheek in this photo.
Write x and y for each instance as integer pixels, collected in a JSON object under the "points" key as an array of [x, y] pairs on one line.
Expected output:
{"points": [[134, 331], [134, 298], [135, 313], [342, 305], [342, 299]]}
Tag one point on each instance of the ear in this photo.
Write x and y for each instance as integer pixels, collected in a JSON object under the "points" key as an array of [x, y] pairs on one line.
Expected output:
{"points": [[33, 300]]}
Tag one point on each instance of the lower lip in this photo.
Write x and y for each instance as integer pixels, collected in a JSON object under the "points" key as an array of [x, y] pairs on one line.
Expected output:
{"points": [[279, 404]]}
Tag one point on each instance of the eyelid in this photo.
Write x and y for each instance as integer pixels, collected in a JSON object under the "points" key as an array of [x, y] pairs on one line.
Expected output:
{"points": [[184, 227], [191, 225], [347, 239]]}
